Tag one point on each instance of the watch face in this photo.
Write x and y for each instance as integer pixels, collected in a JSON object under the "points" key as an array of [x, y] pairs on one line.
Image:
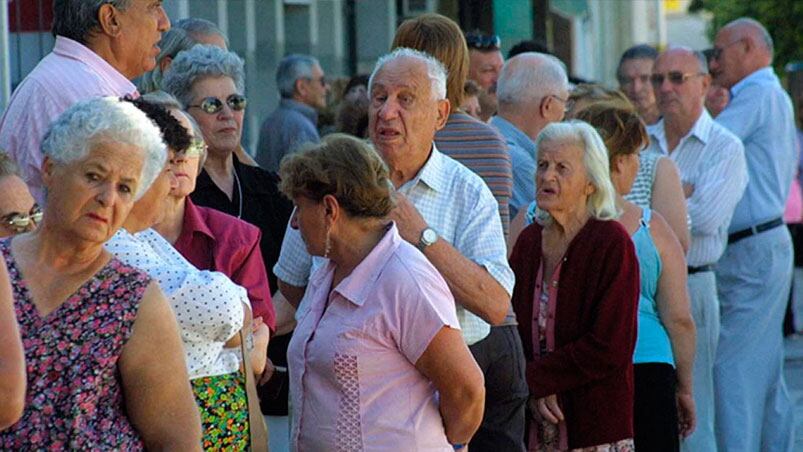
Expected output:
{"points": [[429, 236]]}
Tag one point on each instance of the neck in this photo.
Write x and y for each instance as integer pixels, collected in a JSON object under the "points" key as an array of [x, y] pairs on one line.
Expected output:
{"points": [[220, 165], [55, 249], [404, 171], [356, 241], [104, 49], [568, 224], [171, 225], [678, 126], [525, 122], [134, 224]]}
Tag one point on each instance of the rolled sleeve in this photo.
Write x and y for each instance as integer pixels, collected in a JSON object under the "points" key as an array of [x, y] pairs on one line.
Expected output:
{"points": [[295, 263]]}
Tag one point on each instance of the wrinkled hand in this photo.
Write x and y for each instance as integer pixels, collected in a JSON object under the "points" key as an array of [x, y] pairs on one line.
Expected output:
{"points": [[259, 355], [687, 417], [688, 189], [408, 220], [548, 408]]}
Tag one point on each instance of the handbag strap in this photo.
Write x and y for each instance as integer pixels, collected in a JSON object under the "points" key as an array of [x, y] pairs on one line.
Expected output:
{"points": [[256, 423]]}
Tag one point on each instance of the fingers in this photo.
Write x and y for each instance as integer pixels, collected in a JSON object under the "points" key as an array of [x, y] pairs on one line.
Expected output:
{"points": [[545, 412], [552, 405]]}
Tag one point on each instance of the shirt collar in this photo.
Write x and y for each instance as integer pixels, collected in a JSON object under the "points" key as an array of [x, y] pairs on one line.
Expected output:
{"points": [[74, 50], [763, 74], [513, 134], [700, 130], [359, 285], [193, 222], [431, 173], [309, 112]]}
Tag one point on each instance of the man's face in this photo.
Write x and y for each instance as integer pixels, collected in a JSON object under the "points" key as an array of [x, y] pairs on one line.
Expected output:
{"points": [[726, 62], [403, 115], [634, 81], [684, 96], [485, 66], [315, 89], [141, 28]]}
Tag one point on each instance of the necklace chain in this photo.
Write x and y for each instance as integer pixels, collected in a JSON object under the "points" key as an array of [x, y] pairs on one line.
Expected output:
{"points": [[239, 194]]}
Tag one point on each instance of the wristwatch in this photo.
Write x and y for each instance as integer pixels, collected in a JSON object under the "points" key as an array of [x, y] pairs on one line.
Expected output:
{"points": [[428, 237]]}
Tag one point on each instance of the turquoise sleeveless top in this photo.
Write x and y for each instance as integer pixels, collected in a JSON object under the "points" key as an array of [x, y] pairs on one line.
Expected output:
{"points": [[652, 343]]}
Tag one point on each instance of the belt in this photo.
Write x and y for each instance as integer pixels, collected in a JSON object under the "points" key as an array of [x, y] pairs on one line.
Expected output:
{"points": [[744, 233], [700, 269]]}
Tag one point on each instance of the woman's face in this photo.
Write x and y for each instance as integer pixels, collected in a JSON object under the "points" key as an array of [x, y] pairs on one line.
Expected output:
{"points": [[624, 172], [222, 130], [150, 209], [561, 178], [185, 165], [309, 217], [91, 198]]}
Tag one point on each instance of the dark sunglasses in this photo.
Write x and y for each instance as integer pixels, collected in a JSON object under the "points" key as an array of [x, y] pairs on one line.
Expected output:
{"points": [[483, 42], [21, 222], [212, 105], [675, 77]]}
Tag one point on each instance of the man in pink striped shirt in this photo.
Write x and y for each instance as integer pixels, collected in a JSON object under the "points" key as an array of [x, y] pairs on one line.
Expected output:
{"points": [[101, 45]]}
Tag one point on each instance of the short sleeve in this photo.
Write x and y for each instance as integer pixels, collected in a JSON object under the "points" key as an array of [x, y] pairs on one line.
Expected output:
{"points": [[295, 263]]}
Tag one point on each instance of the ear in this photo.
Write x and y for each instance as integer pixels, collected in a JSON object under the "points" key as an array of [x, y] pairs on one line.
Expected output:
{"points": [[332, 209], [108, 20], [543, 107], [48, 167], [590, 189], [300, 89], [617, 163], [706, 83], [444, 108], [164, 65]]}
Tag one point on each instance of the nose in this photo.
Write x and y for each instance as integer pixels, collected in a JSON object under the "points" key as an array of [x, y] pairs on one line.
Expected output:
{"points": [[294, 219], [164, 21], [105, 197], [388, 110]]}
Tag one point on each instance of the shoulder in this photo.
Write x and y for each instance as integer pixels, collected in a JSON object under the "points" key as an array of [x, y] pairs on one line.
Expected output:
{"points": [[660, 231], [466, 128], [604, 234], [724, 140], [227, 227], [410, 272], [463, 178]]}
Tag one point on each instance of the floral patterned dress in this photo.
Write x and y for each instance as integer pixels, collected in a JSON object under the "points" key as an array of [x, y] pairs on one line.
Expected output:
{"points": [[74, 397]]}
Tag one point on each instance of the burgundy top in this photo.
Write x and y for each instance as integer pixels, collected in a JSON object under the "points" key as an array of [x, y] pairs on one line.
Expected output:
{"points": [[213, 240], [591, 366]]}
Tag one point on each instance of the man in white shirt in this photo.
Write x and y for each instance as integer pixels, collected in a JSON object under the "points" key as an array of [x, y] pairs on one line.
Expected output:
{"points": [[714, 174]]}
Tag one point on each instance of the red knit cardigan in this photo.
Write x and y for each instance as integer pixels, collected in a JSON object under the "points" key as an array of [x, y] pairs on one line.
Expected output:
{"points": [[591, 368]]}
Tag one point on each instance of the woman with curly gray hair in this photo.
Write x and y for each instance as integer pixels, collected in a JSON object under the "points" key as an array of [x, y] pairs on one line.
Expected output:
{"points": [[105, 361]]}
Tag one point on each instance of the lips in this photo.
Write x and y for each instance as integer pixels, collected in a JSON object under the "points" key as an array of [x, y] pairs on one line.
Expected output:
{"points": [[97, 218], [387, 133]]}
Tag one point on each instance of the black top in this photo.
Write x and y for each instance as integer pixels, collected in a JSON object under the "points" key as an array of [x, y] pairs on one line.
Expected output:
{"points": [[262, 205]]}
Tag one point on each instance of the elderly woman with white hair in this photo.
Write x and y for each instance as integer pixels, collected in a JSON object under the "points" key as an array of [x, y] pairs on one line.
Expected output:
{"points": [[210, 83], [576, 298], [105, 365]]}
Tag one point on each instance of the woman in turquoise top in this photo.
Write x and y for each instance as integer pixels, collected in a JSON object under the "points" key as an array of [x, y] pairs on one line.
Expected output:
{"points": [[664, 406]]}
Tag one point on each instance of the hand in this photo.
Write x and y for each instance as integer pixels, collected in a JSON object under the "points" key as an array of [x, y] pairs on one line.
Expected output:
{"points": [[408, 220], [267, 373], [687, 418], [259, 355], [548, 408], [688, 189]]}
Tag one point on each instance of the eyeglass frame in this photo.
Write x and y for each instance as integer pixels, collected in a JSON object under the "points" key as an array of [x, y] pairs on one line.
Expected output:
{"points": [[716, 52], [568, 103], [676, 78], [324, 83], [220, 103], [13, 219]]}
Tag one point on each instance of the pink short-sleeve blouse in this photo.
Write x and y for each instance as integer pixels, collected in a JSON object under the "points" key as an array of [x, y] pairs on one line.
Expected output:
{"points": [[353, 380]]}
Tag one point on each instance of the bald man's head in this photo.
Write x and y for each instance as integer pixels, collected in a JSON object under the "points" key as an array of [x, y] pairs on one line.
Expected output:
{"points": [[680, 80], [741, 48]]}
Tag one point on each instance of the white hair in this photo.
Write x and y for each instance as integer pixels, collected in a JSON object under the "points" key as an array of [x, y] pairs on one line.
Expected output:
{"points": [[199, 62], [530, 76], [602, 203], [436, 71], [73, 134]]}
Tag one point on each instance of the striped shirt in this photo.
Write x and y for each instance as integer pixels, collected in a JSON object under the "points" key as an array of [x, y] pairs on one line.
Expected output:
{"points": [[459, 206], [480, 148], [712, 159], [70, 73], [641, 191]]}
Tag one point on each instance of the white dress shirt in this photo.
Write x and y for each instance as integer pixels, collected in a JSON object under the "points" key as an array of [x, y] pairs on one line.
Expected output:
{"points": [[208, 306], [712, 159]]}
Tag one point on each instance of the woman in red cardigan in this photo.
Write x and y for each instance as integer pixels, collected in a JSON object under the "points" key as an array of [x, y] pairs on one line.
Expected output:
{"points": [[576, 299]]}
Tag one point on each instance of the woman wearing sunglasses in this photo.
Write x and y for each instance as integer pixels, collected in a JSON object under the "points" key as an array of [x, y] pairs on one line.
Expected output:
{"points": [[209, 82], [18, 210]]}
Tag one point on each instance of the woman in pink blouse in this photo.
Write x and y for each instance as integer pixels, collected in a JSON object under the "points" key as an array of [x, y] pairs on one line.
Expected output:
{"points": [[377, 361]]}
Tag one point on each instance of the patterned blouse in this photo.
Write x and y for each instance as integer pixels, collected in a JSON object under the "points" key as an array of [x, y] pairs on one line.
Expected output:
{"points": [[74, 398]]}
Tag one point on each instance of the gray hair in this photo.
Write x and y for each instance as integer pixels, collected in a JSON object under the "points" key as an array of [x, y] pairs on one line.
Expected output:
{"points": [[292, 68], [199, 62], [749, 22], [7, 165], [77, 19], [72, 135], [436, 71], [602, 203], [702, 61], [530, 76], [197, 28], [169, 102]]}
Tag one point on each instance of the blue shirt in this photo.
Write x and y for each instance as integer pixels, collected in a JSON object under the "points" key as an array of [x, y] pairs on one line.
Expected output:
{"points": [[522, 159], [290, 126], [760, 114]]}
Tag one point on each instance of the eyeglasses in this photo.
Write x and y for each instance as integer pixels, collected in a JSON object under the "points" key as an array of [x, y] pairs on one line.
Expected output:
{"points": [[212, 105], [676, 77], [21, 222], [195, 149], [716, 52], [568, 103], [483, 42]]}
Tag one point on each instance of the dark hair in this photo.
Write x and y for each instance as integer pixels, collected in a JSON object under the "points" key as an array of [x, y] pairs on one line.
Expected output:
{"points": [[174, 135], [528, 45], [352, 117], [357, 80], [77, 19], [637, 52]]}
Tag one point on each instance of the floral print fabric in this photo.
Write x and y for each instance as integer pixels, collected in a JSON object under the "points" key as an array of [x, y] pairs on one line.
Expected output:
{"points": [[74, 397], [224, 411]]}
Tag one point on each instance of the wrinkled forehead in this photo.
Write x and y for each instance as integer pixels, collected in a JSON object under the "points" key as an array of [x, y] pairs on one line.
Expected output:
{"points": [[402, 73], [560, 149], [676, 60]]}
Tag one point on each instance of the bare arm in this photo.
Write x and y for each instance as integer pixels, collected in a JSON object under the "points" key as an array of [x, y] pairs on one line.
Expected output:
{"points": [[448, 363], [675, 313], [285, 313], [669, 200], [292, 294], [157, 390], [12, 357], [472, 285]]}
